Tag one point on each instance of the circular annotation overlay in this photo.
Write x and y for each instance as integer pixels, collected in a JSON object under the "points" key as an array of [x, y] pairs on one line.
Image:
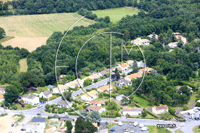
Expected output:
{"points": [[82, 88]]}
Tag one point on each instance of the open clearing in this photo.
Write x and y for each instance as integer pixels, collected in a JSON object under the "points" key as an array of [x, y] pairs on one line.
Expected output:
{"points": [[40, 25], [29, 43], [116, 14], [23, 65]]}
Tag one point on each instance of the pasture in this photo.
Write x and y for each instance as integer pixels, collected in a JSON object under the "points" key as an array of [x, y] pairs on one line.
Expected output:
{"points": [[40, 25], [116, 14]]}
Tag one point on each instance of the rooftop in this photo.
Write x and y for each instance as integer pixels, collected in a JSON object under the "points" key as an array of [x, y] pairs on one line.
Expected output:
{"points": [[105, 87], [135, 75], [28, 96], [2, 89], [37, 119], [1, 96], [131, 109], [46, 93], [93, 107], [162, 107]]}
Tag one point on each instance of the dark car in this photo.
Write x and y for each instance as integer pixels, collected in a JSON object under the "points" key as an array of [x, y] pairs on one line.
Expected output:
{"points": [[38, 113], [23, 129], [12, 125], [55, 116]]}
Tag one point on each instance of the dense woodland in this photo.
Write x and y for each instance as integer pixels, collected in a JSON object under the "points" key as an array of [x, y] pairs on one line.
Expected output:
{"points": [[163, 18]]}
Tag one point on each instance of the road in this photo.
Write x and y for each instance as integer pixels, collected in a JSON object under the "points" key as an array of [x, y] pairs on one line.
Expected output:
{"points": [[96, 85]]}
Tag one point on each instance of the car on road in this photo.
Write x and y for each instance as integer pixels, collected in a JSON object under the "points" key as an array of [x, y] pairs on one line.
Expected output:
{"points": [[135, 123], [12, 125], [16, 125], [116, 120], [144, 129], [23, 129], [56, 116], [38, 113]]}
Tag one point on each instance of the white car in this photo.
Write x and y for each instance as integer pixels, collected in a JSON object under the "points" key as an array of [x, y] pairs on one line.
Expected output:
{"points": [[120, 124], [135, 123], [144, 129], [141, 125]]}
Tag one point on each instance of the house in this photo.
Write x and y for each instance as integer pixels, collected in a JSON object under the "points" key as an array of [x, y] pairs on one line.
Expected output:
{"points": [[96, 108], [61, 89], [76, 83], [90, 96], [140, 41], [135, 76], [119, 98], [122, 67], [38, 120], [178, 87], [38, 127], [1, 97], [94, 76], [115, 76], [180, 37], [46, 94], [32, 89], [123, 82], [51, 86], [147, 69], [105, 88], [62, 76], [2, 90], [130, 111], [173, 44], [151, 36], [63, 103], [104, 72], [160, 109], [30, 99], [139, 63], [97, 103]]}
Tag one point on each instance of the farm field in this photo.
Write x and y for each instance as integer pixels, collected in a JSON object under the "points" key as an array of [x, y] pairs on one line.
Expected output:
{"points": [[5, 0], [40, 25], [29, 43], [117, 13]]}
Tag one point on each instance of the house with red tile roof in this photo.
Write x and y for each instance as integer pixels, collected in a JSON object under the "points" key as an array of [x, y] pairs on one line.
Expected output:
{"points": [[160, 109], [135, 76], [105, 88], [95, 108], [1, 97]]}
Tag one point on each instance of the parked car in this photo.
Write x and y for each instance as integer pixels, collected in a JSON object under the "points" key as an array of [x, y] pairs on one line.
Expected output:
{"points": [[120, 124], [116, 120], [144, 129], [135, 123], [38, 113], [141, 125], [23, 129], [16, 124], [12, 125]]}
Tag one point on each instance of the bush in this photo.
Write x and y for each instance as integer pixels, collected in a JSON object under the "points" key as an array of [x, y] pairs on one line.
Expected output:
{"points": [[197, 104], [172, 110], [14, 107], [185, 107]]}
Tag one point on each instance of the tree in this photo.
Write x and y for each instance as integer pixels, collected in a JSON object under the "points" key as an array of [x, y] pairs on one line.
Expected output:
{"points": [[95, 117], [116, 71], [79, 125], [135, 3], [172, 110], [87, 82], [126, 35], [11, 94], [124, 100], [185, 107], [107, 19], [135, 67], [69, 126], [2, 33], [67, 95], [144, 113], [24, 52]]}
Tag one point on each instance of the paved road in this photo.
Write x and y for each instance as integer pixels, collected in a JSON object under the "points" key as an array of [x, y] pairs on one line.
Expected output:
{"points": [[96, 85]]}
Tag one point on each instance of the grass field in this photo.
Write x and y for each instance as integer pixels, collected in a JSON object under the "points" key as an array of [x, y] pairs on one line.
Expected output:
{"points": [[117, 13], [154, 129], [178, 131], [23, 65], [196, 129], [6, 39], [40, 25]]}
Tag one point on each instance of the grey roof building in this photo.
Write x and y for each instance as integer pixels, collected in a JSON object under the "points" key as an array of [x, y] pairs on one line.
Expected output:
{"points": [[38, 119], [122, 82]]}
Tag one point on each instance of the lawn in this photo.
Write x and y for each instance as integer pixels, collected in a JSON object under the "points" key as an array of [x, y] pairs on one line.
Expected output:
{"points": [[23, 65], [154, 129], [178, 131], [40, 25], [110, 126], [117, 13], [142, 102], [196, 129]]}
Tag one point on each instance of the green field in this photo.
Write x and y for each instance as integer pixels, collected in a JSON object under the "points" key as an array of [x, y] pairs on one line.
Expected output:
{"points": [[40, 25], [178, 131], [154, 129], [117, 13], [196, 129], [23, 65]]}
